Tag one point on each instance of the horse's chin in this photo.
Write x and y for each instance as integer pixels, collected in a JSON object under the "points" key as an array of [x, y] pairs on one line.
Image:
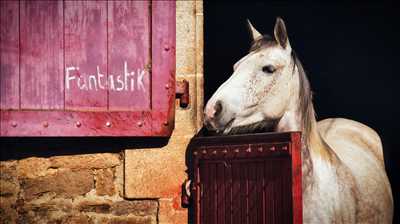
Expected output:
{"points": [[257, 127]]}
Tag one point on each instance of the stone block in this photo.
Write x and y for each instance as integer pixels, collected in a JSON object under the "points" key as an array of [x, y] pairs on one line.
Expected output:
{"points": [[128, 220], [137, 208], [34, 167], [104, 179], [89, 161], [95, 206], [64, 183]]}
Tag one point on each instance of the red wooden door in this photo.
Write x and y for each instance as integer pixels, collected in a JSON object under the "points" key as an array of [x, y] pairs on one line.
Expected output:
{"points": [[249, 179], [87, 68]]}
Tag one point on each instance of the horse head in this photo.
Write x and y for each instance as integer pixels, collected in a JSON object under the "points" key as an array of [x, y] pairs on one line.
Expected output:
{"points": [[264, 86]]}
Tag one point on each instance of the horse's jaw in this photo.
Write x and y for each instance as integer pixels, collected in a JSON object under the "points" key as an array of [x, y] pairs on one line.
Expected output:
{"points": [[255, 127]]}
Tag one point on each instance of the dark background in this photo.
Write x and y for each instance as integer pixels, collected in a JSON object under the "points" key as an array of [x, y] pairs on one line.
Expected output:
{"points": [[350, 52]]}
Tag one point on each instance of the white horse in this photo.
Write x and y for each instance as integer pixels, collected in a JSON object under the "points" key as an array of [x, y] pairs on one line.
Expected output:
{"points": [[344, 178]]}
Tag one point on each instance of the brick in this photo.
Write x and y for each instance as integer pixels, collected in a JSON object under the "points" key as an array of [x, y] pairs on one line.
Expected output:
{"points": [[168, 214], [137, 207], [89, 161], [34, 167], [64, 184], [8, 171], [95, 206], [105, 182], [8, 189], [7, 212], [129, 220], [76, 219]]}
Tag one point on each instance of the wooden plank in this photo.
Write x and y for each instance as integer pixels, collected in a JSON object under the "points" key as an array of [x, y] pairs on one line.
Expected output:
{"points": [[236, 200], [221, 182], [252, 196], [228, 192], [129, 59], [42, 81], [9, 55], [163, 66], [85, 34], [67, 123]]}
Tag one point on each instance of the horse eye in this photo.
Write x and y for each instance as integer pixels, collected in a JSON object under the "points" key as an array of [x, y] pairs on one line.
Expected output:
{"points": [[268, 69]]}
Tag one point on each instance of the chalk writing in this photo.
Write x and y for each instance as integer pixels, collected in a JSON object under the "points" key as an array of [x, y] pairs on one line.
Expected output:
{"points": [[129, 81]]}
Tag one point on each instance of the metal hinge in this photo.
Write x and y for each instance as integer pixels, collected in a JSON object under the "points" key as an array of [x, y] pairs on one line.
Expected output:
{"points": [[182, 93]]}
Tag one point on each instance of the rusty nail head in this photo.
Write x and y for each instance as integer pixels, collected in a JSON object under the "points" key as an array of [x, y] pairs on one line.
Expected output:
{"points": [[260, 149], [78, 124], [248, 150], [236, 150], [45, 124], [204, 151], [166, 47], [214, 152], [165, 123], [139, 123], [272, 148], [14, 124], [284, 147], [167, 86], [225, 151], [194, 153], [108, 124]]}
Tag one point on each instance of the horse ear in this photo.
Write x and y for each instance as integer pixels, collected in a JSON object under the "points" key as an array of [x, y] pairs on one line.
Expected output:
{"points": [[280, 32], [254, 33]]}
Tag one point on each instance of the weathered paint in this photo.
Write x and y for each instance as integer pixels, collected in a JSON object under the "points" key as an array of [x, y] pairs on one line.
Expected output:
{"points": [[90, 61]]}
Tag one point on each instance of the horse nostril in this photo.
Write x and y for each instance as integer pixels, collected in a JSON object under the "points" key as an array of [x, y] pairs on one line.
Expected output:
{"points": [[217, 108]]}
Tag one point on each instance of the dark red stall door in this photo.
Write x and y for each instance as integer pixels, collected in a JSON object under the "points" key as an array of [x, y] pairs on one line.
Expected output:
{"points": [[249, 179], [87, 68]]}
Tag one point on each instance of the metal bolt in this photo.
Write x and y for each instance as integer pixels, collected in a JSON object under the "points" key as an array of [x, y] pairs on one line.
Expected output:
{"points": [[225, 151], [284, 148], [260, 149], [236, 150], [194, 153], [45, 124], [214, 152], [166, 47], [272, 148], [14, 124], [165, 123], [139, 123], [108, 124], [167, 86], [78, 124], [204, 151]]}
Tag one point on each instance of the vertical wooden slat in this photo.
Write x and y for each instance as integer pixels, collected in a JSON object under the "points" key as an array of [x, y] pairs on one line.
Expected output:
{"points": [[259, 190], [228, 193], [129, 59], [9, 55], [86, 55], [41, 64], [221, 181], [213, 193], [236, 208], [243, 193], [253, 192], [163, 65]]}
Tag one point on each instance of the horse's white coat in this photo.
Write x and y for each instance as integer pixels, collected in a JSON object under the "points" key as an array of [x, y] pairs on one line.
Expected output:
{"points": [[344, 178]]}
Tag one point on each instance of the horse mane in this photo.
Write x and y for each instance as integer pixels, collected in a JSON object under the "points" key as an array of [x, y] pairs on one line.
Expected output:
{"points": [[305, 94]]}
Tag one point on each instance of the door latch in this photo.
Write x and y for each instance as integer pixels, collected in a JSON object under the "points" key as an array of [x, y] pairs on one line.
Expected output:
{"points": [[182, 93]]}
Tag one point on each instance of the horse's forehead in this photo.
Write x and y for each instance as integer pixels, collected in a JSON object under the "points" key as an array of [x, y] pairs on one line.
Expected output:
{"points": [[266, 54]]}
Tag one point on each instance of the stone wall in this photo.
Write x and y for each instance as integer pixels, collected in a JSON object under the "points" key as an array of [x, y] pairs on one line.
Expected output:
{"points": [[69, 189], [101, 185]]}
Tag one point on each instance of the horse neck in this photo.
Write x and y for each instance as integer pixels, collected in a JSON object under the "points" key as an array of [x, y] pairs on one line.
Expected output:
{"points": [[314, 149]]}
